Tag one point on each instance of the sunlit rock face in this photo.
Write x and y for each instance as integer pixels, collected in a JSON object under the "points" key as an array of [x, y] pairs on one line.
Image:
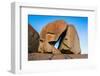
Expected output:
{"points": [[33, 40], [70, 42], [52, 31]]}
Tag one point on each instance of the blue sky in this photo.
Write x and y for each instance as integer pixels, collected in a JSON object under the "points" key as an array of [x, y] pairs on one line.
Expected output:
{"points": [[80, 23]]}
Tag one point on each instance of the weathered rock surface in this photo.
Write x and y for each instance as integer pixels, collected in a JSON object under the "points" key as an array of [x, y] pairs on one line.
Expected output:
{"points": [[59, 30], [43, 56], [77, 56], [50, 35], [39, 56], [52, 31], [70, 43], [59, 56], [45, 47], [33, 40]]}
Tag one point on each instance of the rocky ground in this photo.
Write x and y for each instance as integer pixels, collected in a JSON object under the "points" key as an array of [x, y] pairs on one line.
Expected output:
{"points": [[42, 56]]}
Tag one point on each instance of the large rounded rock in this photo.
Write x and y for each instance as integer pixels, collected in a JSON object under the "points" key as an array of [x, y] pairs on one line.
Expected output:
{"points": [[50, 34], [33, 39]]}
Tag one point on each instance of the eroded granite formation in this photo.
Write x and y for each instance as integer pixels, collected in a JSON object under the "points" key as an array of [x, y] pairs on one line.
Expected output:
{"points": [[59, 30], [42, 44]]}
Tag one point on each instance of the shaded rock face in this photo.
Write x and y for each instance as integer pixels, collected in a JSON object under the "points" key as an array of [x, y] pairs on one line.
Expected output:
{"points": [[70, 42], [49, 35], [59, 30], [33, 40]]}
